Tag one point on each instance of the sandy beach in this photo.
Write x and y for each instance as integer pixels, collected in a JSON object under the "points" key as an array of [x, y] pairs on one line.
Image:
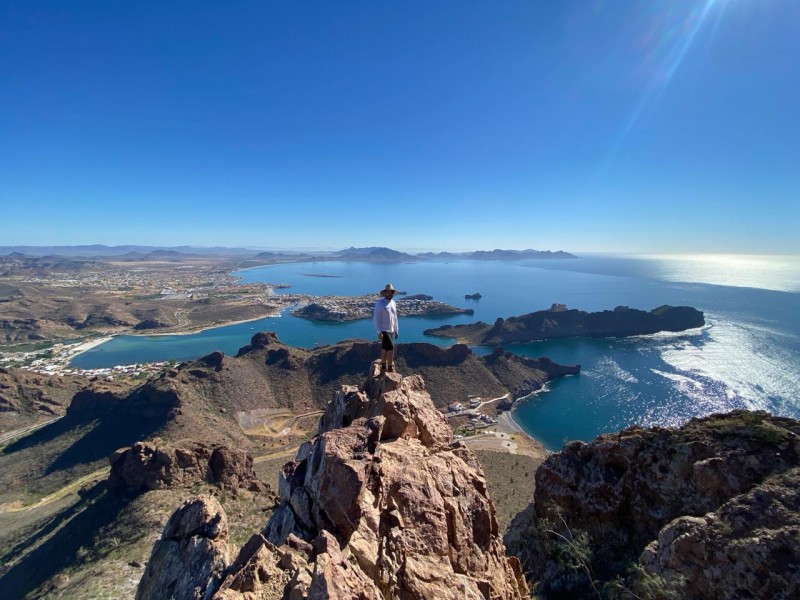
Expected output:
{"points": [[84, 346], [507, 424], [507, 436], [205, 327]]}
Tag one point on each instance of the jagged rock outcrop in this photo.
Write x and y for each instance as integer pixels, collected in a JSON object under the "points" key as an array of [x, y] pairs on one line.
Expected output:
{"points": [[150, 400], [382, 503], [696, 502], [750, 547], [148, 466], [191, 557], [559, 322], [384, 485]]}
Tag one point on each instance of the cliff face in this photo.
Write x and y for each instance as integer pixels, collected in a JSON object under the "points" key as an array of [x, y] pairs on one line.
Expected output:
{"points": [[380, 504], [148, 466], [709, 510]]}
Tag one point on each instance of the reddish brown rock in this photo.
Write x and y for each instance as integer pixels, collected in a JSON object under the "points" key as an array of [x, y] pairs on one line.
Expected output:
{"points": [[615, 495], [257, 574], [392, 507], [380, 504], [148, 466], [749, 548], [191, 557]]}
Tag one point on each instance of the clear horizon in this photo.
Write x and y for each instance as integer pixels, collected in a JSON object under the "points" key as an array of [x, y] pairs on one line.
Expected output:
{"points": [[662, 127]]}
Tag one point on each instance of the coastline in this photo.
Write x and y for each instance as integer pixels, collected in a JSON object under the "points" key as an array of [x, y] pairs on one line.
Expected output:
{"points": [[507, 424], [85, 346], [203, 328], [525, 442]]}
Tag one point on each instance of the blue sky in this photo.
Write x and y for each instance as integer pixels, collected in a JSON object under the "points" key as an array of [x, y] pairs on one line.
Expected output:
{"points": [[582, 125]]}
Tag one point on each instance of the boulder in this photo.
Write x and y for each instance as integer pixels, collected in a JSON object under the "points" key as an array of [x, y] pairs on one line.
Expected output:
{"points": [[191, 557], [149, 466]]}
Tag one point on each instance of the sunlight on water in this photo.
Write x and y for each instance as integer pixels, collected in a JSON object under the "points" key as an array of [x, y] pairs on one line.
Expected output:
{"points": [[614, 371], [740, 367], [781, 273]]}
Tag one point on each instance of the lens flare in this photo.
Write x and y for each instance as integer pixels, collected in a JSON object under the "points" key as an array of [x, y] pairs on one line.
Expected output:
{"points": [[670, 32]]}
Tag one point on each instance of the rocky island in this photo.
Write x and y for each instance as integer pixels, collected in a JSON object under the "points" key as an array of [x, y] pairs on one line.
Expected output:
{"points": [[559, 322], [345, 308]]}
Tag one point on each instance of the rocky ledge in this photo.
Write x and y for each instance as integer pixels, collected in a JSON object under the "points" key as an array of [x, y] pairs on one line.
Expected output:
{"points": [[381, 503], [149, 466], [559, 321], [710, 510]]}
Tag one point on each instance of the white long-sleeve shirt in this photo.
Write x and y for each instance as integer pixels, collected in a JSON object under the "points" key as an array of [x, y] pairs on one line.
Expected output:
{"points": [[384, 316]]}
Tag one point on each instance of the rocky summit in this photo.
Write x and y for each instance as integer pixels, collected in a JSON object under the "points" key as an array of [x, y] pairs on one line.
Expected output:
{"points": [[709, 510], [381, 503]]}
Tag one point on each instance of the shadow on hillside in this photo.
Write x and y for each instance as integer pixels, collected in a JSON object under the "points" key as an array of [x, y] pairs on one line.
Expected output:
{"points": [[105, 433], [58, 543], [43, 435], [113, 430], [337, 366]]}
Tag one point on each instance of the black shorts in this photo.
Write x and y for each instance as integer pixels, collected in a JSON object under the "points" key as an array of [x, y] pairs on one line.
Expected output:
{"points": [[387, 340]]}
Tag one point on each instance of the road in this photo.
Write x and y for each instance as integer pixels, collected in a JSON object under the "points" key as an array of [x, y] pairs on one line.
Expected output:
{"points": [[10, 435], [58, 494]]}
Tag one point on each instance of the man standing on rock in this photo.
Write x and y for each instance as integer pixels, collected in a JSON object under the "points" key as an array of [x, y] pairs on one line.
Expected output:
{"points": [[384, 317]]}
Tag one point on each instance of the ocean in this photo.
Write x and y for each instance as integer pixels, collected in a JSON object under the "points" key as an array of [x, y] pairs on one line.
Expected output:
{"points": [[746, 356]]}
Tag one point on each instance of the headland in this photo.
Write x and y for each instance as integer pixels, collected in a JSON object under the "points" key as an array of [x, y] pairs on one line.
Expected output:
{"points": [[560, 322]]}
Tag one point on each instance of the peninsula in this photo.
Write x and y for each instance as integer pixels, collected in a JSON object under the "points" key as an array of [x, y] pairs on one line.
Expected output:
{"points": [[346, 308], [559, 322]]}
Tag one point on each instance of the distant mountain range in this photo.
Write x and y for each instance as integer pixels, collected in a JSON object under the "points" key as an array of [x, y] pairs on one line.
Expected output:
{"points": [[496, 255], [368, 254], [373, 254], [99, 250]]}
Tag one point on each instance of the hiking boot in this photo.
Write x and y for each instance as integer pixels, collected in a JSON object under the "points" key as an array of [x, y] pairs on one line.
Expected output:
{"points": [[383, 367], [391, 369]]}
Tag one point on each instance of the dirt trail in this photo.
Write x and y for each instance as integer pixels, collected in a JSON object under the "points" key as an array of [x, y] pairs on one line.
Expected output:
{"points": [[58, 494], [10, 435]]}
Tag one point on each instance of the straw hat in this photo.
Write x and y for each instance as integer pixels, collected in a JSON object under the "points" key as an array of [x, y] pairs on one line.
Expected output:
{"points": [[389, 288]]}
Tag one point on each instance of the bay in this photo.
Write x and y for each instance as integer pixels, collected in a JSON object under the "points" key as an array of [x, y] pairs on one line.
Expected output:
{"points": [[745, 357]]}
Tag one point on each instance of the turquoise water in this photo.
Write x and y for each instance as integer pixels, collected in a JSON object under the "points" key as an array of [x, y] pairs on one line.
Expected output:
{"points": [[746, 356]]}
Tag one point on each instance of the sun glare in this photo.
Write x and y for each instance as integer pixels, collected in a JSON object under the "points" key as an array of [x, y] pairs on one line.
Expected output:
{"points": [[670, 30]]}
